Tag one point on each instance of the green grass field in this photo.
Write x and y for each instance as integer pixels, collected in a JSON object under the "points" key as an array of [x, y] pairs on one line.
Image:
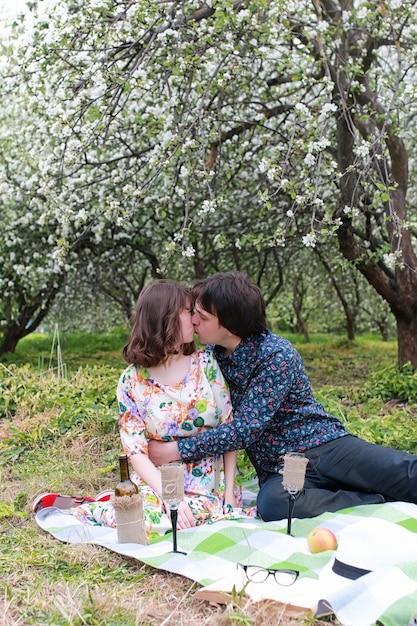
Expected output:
{"points": [[58, 432]]}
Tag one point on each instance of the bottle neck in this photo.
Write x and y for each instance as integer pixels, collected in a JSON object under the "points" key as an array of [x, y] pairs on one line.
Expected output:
{"points": [[124, 468]]}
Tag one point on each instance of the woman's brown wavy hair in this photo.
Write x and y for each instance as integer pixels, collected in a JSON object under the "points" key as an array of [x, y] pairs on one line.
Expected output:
{"points": [[155, 324]]}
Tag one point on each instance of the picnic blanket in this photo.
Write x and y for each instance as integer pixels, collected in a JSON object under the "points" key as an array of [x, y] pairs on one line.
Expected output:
{"points": [[379, 539]]}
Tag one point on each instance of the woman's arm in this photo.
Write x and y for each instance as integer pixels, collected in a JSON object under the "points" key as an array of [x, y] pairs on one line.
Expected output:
{"points": [[147, 471], [136, 445], [230, 460]]}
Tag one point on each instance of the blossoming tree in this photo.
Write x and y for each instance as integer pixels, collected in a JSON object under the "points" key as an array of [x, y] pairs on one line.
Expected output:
{"points": [[222, 133]]}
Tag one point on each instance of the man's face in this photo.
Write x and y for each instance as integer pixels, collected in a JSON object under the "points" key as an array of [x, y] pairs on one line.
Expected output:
{"points": [[207, 327]]}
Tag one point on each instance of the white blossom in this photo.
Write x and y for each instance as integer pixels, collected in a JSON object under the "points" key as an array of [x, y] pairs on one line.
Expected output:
{"points": [[362, 150], [263, 165], [351, 211], [242, 15], [208, 206], [393, 260], [310, 159], [302, 109], [188, 251], [310, 240]]}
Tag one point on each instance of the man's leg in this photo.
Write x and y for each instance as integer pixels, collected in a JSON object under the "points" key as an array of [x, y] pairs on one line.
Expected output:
{"points": [[272, 502], [345, 472], [356, 465], [342, 473]]}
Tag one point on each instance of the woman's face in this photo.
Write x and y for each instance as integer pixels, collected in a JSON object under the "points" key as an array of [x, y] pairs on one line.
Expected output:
{"points": [[187, 327]]}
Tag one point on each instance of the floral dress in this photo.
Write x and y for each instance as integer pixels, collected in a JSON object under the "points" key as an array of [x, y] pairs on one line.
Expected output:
{"points": [[151, 410]]}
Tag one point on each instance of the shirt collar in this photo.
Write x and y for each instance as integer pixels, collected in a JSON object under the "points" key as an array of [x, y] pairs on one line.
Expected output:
{"points": [[243, 354]]}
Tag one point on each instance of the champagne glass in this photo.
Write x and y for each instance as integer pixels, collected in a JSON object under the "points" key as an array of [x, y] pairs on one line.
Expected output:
{"points": [[172, 476], [294, 472]]}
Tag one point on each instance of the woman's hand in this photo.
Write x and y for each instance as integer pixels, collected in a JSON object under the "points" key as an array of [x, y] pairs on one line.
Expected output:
{"points": [[186, 518], [230, 500]]}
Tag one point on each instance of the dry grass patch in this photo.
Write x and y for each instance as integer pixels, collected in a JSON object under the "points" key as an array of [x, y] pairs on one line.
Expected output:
{"points": [[46, 582]]}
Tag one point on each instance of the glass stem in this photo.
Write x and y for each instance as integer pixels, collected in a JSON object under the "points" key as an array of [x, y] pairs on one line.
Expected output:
{"points": [[291, 502], [174, 519]]}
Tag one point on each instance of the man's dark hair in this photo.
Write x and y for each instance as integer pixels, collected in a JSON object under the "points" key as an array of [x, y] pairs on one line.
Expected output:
{"points": [[235, 299]]}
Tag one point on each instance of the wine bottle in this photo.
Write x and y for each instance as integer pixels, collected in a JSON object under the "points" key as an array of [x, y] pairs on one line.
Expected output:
{"points": [[125, 487], [128, 510]]}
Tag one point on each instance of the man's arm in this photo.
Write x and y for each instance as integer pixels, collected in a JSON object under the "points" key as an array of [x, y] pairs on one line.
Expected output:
{"points": [[262, 399]]}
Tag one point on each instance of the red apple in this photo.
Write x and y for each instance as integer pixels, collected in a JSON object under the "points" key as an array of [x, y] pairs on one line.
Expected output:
{"points": [[321, 539]]}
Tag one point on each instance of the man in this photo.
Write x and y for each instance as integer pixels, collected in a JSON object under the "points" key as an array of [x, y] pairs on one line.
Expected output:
{"points": [[275, 412]]}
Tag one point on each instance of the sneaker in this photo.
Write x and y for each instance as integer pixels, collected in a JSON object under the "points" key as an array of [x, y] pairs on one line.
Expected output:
{"points": [[45, 500], [105, 495]]}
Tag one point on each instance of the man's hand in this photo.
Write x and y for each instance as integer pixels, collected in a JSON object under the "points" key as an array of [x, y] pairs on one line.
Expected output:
{"points": [[161, 452]]}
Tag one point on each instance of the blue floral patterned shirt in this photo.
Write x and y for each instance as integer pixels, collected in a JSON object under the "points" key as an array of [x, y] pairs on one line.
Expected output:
{"points": [[274, 409]]}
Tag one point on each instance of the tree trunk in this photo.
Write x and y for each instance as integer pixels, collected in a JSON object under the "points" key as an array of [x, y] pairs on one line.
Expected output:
{"points": [[303, 328], [383, 329], [407, 339], [397, 286], [299, 291], [350, 311], [350, 325], [31, 314], [14, 332], [11, 337]]}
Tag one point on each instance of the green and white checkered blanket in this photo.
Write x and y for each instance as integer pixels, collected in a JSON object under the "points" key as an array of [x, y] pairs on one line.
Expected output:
{"points": [[379, 538]]}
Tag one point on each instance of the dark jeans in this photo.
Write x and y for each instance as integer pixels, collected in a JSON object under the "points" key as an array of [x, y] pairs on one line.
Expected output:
{"points": [[342, 473]]}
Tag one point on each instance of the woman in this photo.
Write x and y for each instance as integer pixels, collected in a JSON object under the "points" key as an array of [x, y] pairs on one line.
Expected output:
{"points": [[170, 390]]}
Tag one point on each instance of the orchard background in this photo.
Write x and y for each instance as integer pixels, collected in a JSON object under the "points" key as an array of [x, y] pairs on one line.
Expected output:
{"points": [[180, 138]]}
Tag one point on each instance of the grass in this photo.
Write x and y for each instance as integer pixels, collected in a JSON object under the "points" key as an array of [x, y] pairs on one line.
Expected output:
{"points": [[59, 433]]}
